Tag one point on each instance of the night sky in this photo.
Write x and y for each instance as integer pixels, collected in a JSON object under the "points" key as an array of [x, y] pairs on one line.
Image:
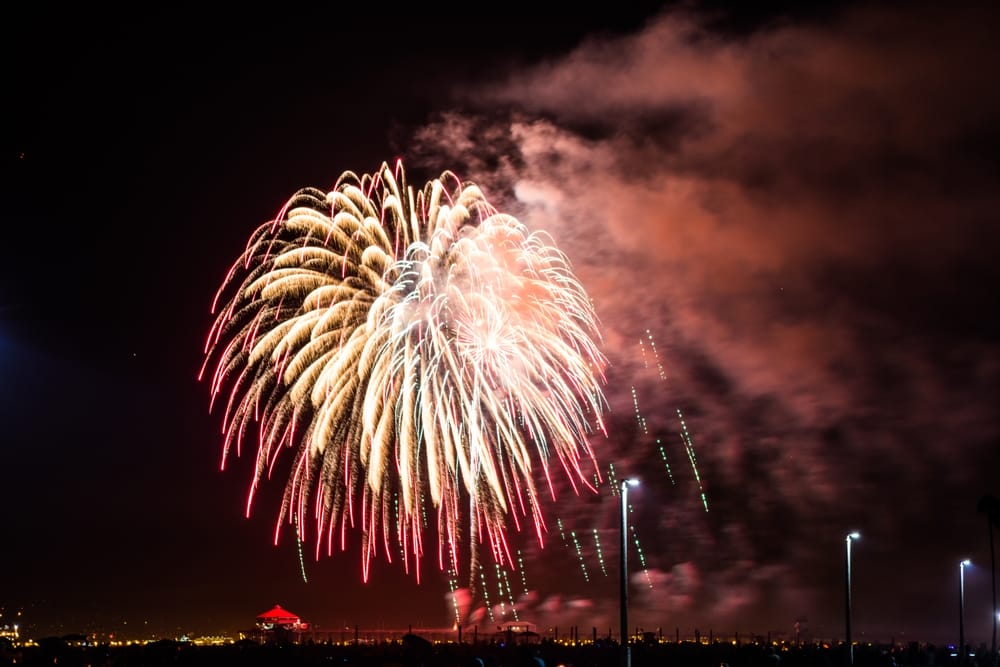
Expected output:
{"points": [[796, 209]]}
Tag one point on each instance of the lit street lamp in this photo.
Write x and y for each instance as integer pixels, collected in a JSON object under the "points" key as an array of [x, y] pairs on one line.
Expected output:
{"points": [[996, 654], [626, 658], [961, 610], [847, 626]]}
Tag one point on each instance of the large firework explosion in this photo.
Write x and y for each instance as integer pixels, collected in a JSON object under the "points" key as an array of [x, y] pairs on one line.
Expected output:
{"points": [[419, 354]]}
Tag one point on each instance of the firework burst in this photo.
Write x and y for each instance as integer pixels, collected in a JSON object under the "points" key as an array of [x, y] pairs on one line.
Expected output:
{"points": [[418, 354]]}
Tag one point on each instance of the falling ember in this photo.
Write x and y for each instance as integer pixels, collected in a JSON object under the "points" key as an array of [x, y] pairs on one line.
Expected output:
{"points": [[689, 446], [420, 355], [520, 569], [600, 554]]}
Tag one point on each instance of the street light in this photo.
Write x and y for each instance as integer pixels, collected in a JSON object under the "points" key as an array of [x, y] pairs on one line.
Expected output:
{"points": [[626, 658], [847, 626], [961, 610], [996, 654]]}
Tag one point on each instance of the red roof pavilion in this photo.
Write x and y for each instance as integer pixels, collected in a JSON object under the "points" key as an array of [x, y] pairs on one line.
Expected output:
{"points": [[278, 617]]}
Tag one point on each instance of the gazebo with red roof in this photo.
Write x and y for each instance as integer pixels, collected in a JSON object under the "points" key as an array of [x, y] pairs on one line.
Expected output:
{"points": [[278, 617]]}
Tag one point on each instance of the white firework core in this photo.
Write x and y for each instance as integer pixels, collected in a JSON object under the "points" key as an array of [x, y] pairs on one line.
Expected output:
{"points": [[413, 350]]}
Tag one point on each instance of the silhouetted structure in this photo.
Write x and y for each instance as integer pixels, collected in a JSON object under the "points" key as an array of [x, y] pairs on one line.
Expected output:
{"points": [[415, 651]]}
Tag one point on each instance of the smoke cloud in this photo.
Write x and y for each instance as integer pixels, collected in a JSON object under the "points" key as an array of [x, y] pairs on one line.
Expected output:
{"points": [[798, 224]]}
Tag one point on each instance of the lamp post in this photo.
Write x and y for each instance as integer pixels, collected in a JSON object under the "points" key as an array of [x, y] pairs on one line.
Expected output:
{"points": [[626, 654], [996, 654], [961, 610], [847, 580]]}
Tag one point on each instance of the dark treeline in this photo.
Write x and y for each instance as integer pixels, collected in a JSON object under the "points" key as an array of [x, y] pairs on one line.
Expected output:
{"points": [[415, 652]]}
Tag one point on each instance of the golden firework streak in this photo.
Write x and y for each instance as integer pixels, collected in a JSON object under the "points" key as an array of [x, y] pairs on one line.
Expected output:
{"points": [[404, 347]]}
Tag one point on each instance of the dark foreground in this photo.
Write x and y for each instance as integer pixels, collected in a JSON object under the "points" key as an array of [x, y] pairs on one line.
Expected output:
{"points": [[416, 652]]}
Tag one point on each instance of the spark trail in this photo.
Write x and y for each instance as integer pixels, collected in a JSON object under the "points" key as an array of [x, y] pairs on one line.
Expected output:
{"points": [[689, 446], [635, 402], [684, 433], [600, 554], [524, 577]]}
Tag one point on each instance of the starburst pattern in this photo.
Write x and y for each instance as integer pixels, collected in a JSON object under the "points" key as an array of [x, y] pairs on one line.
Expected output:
{"points": [[409, 350]]}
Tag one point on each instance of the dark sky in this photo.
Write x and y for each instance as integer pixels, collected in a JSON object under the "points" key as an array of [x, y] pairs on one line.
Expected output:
{"points": [[798, 209]]}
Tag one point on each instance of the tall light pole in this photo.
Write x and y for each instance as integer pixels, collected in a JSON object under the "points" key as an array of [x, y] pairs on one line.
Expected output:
{"points": [[626, 652], [996, 654], [847, 581], [961, 610]]}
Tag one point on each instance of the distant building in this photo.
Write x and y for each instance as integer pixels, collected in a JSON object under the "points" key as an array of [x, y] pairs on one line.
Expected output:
{"points": [[280, 624], [9, 626]]}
